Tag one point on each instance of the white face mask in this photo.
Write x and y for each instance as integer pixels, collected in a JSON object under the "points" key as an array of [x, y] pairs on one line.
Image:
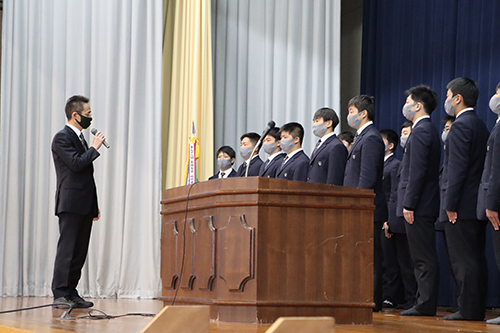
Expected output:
{"points": [[402, 141], [450, 110], [495, 104], [245, 152], [319, 130], [353, 122], [286, 145], [407, 112], [269, 148]]}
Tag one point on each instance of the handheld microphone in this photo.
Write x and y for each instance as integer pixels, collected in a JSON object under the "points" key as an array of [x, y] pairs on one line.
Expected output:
{"points": [[270, 126], [94, 131]]}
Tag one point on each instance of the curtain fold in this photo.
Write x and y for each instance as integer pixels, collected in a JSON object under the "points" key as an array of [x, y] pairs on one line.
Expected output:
{"points": [[109, 51], [274, 60], [187, 88]]}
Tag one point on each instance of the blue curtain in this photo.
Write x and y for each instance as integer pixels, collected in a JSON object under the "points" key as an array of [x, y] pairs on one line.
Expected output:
{"points": [[406, 43]]}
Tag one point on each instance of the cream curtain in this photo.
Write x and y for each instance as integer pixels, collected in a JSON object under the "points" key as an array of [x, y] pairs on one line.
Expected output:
{"points": [[187, 87]]}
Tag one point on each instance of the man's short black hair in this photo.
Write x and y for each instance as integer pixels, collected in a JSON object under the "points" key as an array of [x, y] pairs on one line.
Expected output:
{"points": [[448, 118], [327, 114], [406, 124], [424, 95], [253, 137], [275, 133], [363, 102], [75, 104], [391, 137], [228, 150], [295, 130], [465, 87], [346, 136]]}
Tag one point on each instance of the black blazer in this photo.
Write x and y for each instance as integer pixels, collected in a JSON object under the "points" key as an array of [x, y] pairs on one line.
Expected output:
{"points": [[272, 168], [253, 170], [489, 189], [393, 168], [216, 176], [327, 165], [419, 182], [464, 155], [364, 167], [75, 190], [296, 168]]}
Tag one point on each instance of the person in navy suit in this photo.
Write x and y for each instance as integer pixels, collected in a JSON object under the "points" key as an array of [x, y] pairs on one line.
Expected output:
{"points": [[328, 158], [488, 201], [364, 167], [247, 144], [295, 164], [271, 146], [225, 160], [464, 155], [76, 200], [418, 196], [394, 228]]}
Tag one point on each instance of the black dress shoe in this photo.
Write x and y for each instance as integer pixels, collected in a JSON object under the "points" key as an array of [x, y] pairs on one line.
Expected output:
{"points": [[387, 304], [412, 312], [494, 321], [80, 302], [454, 316], [452, 310], [64, 303]]}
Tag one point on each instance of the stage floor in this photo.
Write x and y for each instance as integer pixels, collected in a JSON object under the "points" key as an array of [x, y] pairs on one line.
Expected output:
{"points": [[46, 320]]}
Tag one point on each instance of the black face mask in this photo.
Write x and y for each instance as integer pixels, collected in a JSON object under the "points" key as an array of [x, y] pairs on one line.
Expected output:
{"points": [[84, 121]]}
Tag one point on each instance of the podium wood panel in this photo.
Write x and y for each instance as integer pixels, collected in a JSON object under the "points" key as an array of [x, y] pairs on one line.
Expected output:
{"points": [[260, 248]]}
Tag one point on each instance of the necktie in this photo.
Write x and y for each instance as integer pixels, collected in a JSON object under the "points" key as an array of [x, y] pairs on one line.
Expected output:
{"points": [[284, 161], [222, 174], [316, 148], [266, 164], [84, 143]]}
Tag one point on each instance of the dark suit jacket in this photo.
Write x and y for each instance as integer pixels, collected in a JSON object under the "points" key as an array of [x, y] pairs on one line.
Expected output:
{"points": [[327, 165], [272, 168], [253, 170], [216, 176], [365, 163], [489, 189], [296, 168], [419, 182], [392, 174], [464, 155], [75, 190]]}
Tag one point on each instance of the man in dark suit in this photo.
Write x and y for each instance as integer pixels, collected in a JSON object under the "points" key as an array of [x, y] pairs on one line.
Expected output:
{"points": [[488, 201], [225, 160], [76, 200], [247, 144], [271, 146], [365, 163], [296, 163], [418, 196], [328, 158], [464, 155], [395, 242]]}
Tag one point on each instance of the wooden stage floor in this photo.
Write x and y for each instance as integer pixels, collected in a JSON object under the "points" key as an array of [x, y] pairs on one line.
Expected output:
{"points": [[47, 320]]}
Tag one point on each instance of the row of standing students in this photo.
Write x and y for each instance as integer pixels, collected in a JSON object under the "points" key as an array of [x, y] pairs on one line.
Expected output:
{"points": [[455, 194]]}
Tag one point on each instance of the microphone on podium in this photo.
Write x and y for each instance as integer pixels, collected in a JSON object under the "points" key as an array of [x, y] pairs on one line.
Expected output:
{"points": [[270, 126], [94, 131]]}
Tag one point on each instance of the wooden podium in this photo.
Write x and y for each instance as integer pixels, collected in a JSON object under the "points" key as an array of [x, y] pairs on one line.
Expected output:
{"points": [[260, 248]]}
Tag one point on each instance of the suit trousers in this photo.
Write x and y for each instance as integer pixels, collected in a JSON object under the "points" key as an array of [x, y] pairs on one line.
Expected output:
{"points": [[466, 243], [406, 265], [422, 243], [378, 267], [72, 249], [393, 282]]}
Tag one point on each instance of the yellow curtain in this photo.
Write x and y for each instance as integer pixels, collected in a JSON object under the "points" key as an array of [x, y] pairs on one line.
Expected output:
{"points": [[186, 88]]}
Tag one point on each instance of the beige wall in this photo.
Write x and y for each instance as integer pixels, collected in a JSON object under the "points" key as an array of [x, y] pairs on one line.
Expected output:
{"points": [[350, 54]]}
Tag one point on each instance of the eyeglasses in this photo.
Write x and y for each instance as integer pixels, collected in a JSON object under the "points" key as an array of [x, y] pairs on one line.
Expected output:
{"points": [[86, 114]]}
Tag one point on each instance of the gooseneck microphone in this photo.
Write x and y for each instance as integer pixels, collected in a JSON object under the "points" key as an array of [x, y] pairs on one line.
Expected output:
{"points": [[270, 126], [94, 131]]}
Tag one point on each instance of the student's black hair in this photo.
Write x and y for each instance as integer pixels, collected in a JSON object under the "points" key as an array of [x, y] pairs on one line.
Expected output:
{"points": [[327, 114], [448, 118], [275, 133], [252, 136], [363, 102], [465, 87], [228, 150], [424, 95], [391, 137], [406, 124], [346, 136], [295, 130]]}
